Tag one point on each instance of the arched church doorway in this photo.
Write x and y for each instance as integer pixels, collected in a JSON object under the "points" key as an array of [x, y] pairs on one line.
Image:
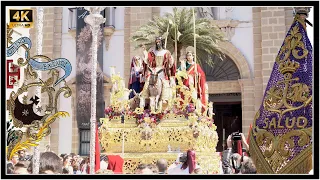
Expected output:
{"points": [[227, 104]]}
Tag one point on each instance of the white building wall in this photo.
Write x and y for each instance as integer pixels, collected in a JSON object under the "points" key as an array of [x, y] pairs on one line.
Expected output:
{"points": [[309, 28], [164, 10], [68, 51], [243, 37], [115, 54]]}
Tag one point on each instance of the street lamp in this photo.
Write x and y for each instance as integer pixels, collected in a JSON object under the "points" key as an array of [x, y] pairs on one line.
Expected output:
{"points": [[94, 19]]}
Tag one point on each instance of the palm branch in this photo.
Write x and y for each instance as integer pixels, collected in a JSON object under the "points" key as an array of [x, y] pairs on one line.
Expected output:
{"points": [[208, 35]]}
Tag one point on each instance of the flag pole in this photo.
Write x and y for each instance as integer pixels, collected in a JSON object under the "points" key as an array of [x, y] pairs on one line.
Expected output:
{"points": [[165, 43], [175, 45], [123, 139], [195, 50]]}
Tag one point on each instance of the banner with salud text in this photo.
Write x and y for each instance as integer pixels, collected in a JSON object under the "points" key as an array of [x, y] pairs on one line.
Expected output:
{"points": [[281, 138]]}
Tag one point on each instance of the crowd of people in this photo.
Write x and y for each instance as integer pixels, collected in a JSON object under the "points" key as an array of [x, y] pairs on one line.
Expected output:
{"points": [[232, 162]]}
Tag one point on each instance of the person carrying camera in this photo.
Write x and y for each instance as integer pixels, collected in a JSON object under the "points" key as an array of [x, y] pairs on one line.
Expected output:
{"points": [[234, 157]]}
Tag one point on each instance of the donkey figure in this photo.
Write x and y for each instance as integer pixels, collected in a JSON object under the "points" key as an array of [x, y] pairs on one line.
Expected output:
{"points": [[155, 88], [135, 101]]}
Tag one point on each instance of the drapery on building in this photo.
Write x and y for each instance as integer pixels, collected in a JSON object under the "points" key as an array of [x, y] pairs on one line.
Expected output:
{"points": [[236, 85]]}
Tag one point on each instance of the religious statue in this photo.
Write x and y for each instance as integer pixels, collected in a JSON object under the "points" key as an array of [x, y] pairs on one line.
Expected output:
{"points": [[158, 69], [136, 80], [196, 78], [159, 58]]}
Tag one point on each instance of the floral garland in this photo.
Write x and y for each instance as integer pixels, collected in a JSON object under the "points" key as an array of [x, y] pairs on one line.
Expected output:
{"points": [[145, 117]]}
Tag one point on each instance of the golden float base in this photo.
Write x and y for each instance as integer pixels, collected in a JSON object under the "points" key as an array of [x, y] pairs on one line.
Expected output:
{"points": [[147, 144]]}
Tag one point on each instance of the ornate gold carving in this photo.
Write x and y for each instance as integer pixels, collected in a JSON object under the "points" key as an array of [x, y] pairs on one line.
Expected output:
{"points": [[179, 127], [177, 133], [119, 94]]}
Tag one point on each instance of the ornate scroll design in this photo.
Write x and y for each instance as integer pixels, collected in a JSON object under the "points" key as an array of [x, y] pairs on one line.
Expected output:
{"points": [[278, 149], [293, 44], [38, 126], [304, 139], [278, 97]]}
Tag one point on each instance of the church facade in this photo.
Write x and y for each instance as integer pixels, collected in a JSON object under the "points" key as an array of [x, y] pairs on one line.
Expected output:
{"points": [[236, 85]]}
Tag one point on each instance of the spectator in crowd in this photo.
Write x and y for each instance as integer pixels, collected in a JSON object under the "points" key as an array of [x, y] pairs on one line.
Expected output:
{"points": [[76, 169], [62, 156], [21, 154], [65, 171], [153, 168], [162, 165], [67, 163], [21, 167], [79, 160], [10, 168], [84, 166], [14, 159], [185, 164], [143, 169], [50, 163], [234, 163], [248, 166], [73, 155], [226, 158], [104, 162]]}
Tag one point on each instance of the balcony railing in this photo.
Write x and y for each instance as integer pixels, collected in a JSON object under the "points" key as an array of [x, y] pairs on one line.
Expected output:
{"points": [[108, 13]]}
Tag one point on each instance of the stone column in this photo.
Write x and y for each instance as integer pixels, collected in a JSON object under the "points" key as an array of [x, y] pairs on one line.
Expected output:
{"points": [[258, 88], [247, 99]]}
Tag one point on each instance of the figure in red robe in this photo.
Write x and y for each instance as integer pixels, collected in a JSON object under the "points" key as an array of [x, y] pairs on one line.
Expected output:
{"points": [[159, 58], [195, 76], [115, 163]]}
